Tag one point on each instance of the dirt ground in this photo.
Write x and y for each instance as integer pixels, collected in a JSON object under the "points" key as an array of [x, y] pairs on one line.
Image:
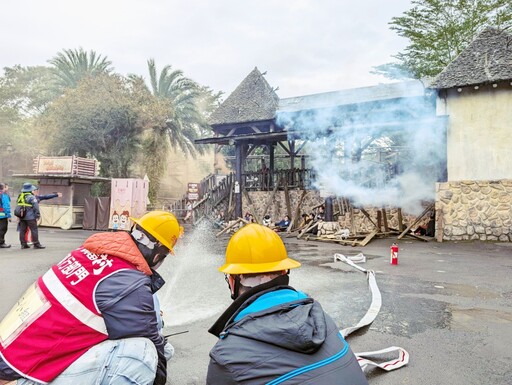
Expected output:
{"points": [[448, 304]]}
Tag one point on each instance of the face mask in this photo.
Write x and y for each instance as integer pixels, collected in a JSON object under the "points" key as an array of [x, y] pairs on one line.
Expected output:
{"points": [[142, 238]]}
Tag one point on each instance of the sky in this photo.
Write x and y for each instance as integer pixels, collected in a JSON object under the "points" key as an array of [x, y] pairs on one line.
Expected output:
{"points": [[304, 46]]}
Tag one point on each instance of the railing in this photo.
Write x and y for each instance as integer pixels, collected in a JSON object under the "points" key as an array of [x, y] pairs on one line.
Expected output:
{"points": [[266, 181], [212, 195]]}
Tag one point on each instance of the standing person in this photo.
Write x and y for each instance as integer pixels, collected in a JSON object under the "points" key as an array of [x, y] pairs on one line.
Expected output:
{"points": [[272, 333], [91, 318], [188, 208], [28, 200], [5, 214], [28, 234]]}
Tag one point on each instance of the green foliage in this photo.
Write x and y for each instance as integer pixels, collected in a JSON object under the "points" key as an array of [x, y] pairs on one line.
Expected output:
{"points": [[70, 66], [439, 30], [103, 117], [25, 93]]}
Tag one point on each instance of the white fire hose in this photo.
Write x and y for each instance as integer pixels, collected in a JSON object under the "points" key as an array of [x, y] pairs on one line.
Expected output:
{"points": [[368, 318]]}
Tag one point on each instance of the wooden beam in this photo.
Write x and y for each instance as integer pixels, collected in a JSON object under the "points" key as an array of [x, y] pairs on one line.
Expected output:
{"points": [[251, 206], [368, 238], [228, 227], [296, 214], [307, 229], [430, 207], [369, 218]]}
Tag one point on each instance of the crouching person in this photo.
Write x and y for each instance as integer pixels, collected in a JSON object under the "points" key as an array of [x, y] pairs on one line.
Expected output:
{"points": [[272, 333], [90, 319]]}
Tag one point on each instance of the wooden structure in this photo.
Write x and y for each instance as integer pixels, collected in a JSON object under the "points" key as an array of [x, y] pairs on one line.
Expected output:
{"points": [[253, 116], [73, 177]]}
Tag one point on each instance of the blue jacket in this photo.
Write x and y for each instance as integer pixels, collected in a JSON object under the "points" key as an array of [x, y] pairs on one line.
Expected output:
{"points": [[5, 206], [273, 334]]}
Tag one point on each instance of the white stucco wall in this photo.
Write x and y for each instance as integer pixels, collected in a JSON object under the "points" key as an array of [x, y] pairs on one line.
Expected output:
{"points": [[479, 138]]}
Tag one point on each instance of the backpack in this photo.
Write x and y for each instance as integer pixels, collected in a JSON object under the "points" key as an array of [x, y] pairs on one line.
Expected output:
{"points": [[21, 209]]}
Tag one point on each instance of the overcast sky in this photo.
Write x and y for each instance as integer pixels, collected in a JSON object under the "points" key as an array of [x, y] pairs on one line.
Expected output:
{"points": [[306, 46]]}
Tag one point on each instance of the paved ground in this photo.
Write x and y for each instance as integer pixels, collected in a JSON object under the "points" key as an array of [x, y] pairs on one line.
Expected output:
{"points": [[448, 304]]}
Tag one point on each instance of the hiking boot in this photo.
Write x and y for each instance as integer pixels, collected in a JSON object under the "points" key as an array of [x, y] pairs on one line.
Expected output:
{"points": [[25, 246], [39, 246], [4, 246]]}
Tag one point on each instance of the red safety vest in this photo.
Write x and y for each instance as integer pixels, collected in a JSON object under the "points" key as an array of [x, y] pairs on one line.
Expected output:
{"points": [[57, 319]]}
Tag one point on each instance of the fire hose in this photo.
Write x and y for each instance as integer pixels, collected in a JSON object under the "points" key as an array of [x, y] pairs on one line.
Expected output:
{"points": [[368, 318]]}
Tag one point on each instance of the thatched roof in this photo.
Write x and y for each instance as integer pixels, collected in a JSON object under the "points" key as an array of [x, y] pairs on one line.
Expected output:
{"points": [[488, 59], [253, 100]]}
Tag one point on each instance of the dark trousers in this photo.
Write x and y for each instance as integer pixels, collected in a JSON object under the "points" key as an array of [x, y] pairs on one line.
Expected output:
{"points": [[3, 229], [32, 225]]}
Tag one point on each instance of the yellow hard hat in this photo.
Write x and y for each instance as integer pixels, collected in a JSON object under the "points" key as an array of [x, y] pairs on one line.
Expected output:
{"points": [[256, 249], [162, 225]]}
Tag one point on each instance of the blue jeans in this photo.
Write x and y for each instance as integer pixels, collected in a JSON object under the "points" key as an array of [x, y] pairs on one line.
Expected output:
{"points": [[121, 362]]}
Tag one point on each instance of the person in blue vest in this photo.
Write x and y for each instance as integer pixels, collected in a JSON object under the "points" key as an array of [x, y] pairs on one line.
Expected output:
{"points": [[272, 333], [5, 214], [30, 203]]}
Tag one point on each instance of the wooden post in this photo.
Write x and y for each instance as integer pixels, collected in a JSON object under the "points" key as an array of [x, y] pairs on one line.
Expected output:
{"points": [[400, 220], [379, 221], [287, 200], [385, 220], [352, 224]]}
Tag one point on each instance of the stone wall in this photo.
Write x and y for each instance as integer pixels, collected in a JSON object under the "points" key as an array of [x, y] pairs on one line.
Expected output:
{"points": [[468, 210]]}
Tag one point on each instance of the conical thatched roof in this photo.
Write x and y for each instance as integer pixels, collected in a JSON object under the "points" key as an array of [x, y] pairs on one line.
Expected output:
{"points": [[253, 100], [488, 59]]}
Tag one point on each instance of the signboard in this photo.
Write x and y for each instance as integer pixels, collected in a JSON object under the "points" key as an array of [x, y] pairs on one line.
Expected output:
{"points": [[63, 165], [193, 191]]}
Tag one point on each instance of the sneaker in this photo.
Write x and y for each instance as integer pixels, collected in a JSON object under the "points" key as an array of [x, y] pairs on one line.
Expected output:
{"points": [[25, 246], [4, 246], [39, 246]]}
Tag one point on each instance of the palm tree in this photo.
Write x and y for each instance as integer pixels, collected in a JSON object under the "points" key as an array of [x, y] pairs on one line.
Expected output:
{"points": [[185, 120], [71, 66], [176, 98]]}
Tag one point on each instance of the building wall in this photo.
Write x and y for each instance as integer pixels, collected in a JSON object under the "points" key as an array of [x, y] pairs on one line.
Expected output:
{"points": [[475, 210], [479, 132]]}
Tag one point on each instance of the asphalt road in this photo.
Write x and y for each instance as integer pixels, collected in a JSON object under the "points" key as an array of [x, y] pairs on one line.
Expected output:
{"points": [[448, 304]]}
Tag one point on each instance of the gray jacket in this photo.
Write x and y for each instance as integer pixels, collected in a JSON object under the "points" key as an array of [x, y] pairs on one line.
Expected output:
{"points": [[273, 335]]}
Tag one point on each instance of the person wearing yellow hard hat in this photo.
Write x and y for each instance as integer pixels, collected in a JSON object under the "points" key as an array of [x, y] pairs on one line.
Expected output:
{"points": [[91, 318], [273, 333]]}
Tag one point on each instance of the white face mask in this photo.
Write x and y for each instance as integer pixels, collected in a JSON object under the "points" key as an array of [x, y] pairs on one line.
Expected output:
{"points": [[142, 238]]}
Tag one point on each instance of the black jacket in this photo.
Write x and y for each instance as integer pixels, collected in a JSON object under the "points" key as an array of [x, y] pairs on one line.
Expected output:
{"points": [[274, 334]]}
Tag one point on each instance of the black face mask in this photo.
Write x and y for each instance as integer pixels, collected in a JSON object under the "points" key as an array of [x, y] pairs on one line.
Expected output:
{"points": [[236, 289], [149, 253]]}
